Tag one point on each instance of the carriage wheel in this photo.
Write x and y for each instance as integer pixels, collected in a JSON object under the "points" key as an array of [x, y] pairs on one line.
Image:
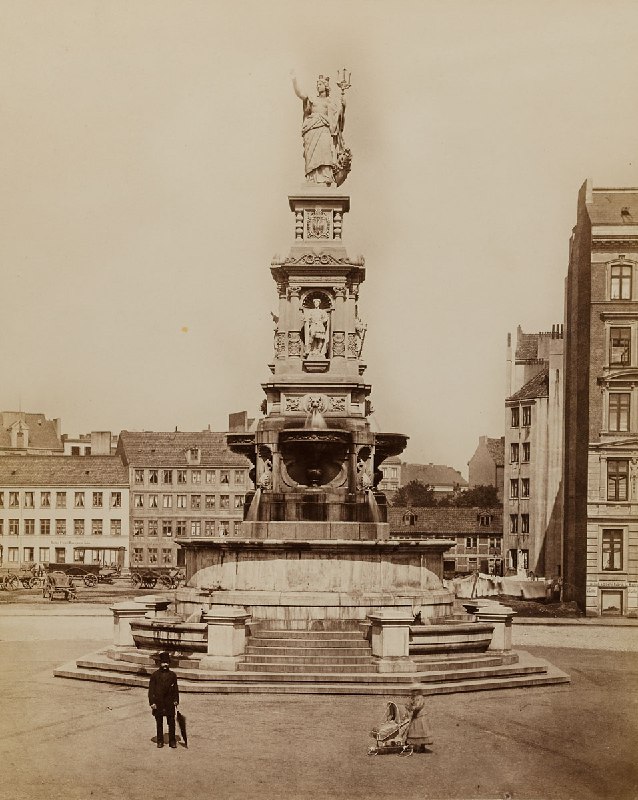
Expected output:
{"points": [[90, 580], [12, 582], [137, 581], [166, 581], [32, 583]]}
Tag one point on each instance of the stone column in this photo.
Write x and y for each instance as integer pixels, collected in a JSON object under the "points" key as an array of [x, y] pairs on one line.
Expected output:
{"points": [[501, 617], [123, 613], [226, 637], [294, 324], [391, 640], [338, 344]]}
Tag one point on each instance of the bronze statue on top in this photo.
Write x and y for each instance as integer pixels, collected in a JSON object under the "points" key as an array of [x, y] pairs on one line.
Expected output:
{"points": [[327, 158]]}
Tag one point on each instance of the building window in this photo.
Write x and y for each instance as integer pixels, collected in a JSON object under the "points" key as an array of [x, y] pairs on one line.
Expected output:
{"points": [[484, 520], [224, 528], [116, 499], [181, 476], [237, 528], [209, 527], [97, 499], [196, 501], [60, 527], [196, 476], [139, 476], [167, 556], [514, 453], [43, 554], [471, 541], [619, 411], [29, 501], [45, 499], [494, 543], [1, 526], [515, 417], [45, 527], [78, 527], [196, 527], [524, 487], [137, 555], [14, 527], [153, 476], [181, 501], [1, 499], [620, 288], [96, 527], [167, 527], [617, 478], [138, 501], [29, 527], [138, 527], [210, 501], [527, 416], [514, 488], [224, 476], [180, 527], [152, 527], [409, 518], [239, 501], [60, 499], [14, 499], [224, 501], [239, 477], [524, 523], [619, 346], [513, 523], [116, 527], [167, 501], [525, 453], [79, 499], [13, 554], [210, 476], [153, 501], [167, 476], [152, 555], [612, 545], [28, 554]]}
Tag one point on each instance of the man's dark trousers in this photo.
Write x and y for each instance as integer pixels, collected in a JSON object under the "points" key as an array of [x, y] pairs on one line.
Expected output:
{"points": [[159, 715]]}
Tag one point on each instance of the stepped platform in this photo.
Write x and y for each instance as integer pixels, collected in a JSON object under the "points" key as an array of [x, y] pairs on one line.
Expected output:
{"points": [[322, 662]]}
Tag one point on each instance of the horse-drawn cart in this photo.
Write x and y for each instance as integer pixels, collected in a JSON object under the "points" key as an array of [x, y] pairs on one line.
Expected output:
{"points": [[149, 577]]}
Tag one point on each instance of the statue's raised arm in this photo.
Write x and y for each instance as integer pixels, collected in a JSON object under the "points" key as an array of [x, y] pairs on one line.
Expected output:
{"points": [[326, 157]]}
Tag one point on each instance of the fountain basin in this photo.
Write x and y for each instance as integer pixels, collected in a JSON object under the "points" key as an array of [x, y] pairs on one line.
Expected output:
{"points": [[169, 633]]}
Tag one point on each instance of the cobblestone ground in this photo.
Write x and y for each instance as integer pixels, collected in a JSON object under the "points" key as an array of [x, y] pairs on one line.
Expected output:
{"points": [[74, 741]]}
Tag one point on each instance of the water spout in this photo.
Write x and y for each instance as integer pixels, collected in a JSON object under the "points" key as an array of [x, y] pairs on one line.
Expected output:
{"points": [[315, 420], [251, 516], [373, 506]]}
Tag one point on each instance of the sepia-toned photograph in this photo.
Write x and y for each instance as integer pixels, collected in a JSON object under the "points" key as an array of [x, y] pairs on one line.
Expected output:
{"points": [[319, 400]]}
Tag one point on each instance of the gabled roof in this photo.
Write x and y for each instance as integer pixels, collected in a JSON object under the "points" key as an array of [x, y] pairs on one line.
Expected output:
{"points": [[26, 471], [42, 431], [526, 346], [496, 448], [608, 204], [449, 521], [538, 386], [432, 475], [156, 449]]}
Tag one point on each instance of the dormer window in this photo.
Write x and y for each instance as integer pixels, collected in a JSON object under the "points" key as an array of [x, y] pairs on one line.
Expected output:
{"points": [[409, 518], [193, 455], [484, 520]]}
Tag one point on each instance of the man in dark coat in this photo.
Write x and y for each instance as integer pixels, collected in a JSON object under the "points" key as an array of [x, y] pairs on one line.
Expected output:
{"points": [[163, 697]]}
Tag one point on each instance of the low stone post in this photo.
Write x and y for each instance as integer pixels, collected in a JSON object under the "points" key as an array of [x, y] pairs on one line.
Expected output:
{"points": [[226, 637], [501, 617], [123, 613], [154, 606], [390, 632]]}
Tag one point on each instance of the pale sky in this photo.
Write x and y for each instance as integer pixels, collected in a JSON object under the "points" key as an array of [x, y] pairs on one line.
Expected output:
{"points": [[148, 149]]}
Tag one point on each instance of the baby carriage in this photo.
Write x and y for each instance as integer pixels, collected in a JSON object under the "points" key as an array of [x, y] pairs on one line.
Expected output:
{"points": [[390, 736]]}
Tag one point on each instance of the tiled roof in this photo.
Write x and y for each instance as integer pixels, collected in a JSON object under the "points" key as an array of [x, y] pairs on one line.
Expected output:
{"points": [[608, 205], [155, 449], [62, 471], [432, 475], [42, 431], [526, 346], [496, 448], [538, 386], [449, 521]]}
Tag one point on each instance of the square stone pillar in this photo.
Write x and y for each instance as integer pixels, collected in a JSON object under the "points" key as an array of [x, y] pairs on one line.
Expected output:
{"points": [[390, 632], [501, 617], [226, 637], [123, 613]]}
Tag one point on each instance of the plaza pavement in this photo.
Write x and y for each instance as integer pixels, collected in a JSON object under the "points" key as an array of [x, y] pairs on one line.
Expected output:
{"points": [[75, 740]]}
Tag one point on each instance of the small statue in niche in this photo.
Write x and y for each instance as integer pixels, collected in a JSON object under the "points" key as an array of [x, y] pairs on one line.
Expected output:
{"points": [[364, 481], [315, 330], [265, 479], [360, 329]]}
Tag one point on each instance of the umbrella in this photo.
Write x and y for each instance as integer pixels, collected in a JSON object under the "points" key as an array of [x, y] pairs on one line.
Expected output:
{"points": [[181, 721]]}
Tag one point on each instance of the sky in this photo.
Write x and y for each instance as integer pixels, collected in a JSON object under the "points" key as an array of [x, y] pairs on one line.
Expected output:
{"points": [[148, 148]]}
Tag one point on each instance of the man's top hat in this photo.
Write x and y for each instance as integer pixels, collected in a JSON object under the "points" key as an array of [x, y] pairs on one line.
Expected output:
{"points": [[164, 658]]}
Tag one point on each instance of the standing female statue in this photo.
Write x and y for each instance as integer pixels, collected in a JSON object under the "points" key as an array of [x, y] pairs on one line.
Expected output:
{"points": [[326, 156]]}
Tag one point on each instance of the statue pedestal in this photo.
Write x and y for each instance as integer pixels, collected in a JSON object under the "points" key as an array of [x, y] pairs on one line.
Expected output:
{"points": [[123, 613], [226, 637], [501, 617], [391, 641]]}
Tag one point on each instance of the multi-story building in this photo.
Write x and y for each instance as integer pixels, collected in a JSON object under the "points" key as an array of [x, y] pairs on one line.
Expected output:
{"points": [[29, 434], [533, 445], [63, 509], [444, 480], [391, 481], [601, 404], [486, 467], [96, 443], [182, 485], [478, 533]]}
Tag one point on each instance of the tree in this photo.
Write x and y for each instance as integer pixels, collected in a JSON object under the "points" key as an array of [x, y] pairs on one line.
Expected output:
{"points": [[414, 494], [480, 496]]}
